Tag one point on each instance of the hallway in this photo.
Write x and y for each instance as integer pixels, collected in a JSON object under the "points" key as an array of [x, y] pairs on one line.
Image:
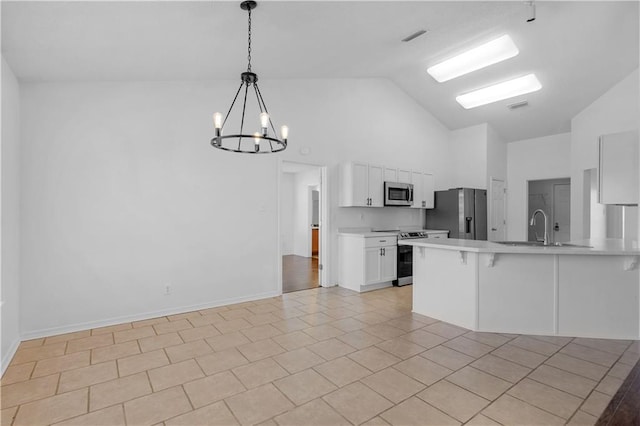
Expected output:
{"points": [[299, 273]]}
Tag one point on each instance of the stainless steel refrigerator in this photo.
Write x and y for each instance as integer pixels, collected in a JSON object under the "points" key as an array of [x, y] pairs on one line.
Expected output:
{"points": [[461, 211]]}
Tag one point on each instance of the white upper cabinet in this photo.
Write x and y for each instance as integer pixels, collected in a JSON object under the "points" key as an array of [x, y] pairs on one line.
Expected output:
{"points": [[392, 174], [618, 169], [404, 176], [423, 190], [361, 185]]}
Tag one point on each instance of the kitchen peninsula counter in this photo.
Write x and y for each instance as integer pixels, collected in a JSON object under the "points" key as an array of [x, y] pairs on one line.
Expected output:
{"points": [[547, 290]]}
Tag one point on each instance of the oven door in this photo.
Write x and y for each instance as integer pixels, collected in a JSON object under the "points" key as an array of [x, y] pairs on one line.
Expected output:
{"points": [[405, 265]]}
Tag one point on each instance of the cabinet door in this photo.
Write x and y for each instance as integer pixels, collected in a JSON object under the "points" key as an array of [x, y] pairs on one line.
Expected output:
{"points": [[428, 190], [618, 171], [388, 263], [404, 176], [376, 185], [360, 174], [418, 190], [390, 174], [372, 265]]}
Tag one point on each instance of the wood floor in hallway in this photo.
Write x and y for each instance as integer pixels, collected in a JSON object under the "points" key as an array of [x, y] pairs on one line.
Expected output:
{"points": [[299, 273]]}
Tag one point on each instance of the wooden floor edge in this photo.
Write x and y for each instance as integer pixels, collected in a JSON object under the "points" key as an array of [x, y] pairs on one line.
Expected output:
{"points": [[624, 407]]}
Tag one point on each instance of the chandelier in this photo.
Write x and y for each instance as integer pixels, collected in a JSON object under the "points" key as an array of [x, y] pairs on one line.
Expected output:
{"points": [[265, 141]]}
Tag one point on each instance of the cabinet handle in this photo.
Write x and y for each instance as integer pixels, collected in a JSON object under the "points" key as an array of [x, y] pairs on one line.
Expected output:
{"points": [[380, 251], [384, 252]]}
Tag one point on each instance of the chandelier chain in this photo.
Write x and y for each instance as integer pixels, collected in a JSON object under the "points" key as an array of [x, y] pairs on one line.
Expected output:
{"points": [[249, 44]]}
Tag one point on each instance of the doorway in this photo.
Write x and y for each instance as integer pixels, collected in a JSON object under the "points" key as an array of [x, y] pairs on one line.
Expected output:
{"points": [[301, 225], [553, 197]]}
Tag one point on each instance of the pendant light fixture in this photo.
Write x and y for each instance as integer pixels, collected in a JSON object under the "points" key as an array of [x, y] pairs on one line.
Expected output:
{"points": [[265, 141]]}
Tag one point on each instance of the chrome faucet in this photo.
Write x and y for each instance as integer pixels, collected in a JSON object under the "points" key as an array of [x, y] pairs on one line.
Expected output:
{"points": [[546, 226]]}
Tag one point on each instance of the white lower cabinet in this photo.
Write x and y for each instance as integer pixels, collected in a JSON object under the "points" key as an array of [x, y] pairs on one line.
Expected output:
{"points": [[367, 263], [389, 264]]}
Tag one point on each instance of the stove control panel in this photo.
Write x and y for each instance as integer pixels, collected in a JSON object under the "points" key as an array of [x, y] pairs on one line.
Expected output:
{"points": [[417, 234]]}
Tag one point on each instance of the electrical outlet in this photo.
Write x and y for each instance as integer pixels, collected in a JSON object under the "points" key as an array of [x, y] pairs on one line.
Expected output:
{"points": [[167, 289]]}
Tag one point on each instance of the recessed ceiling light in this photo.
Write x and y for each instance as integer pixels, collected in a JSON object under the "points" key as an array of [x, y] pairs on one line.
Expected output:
{"points": [[505, 90], [482, 56]]}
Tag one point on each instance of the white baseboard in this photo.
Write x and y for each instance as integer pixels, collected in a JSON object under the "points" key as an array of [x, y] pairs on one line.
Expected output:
{"points": [[6, 359], [35, 334]]}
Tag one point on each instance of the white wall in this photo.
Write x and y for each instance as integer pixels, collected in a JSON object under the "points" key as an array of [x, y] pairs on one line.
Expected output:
{"points": [[615, 111], [122, 193], [302, 211], [548, 157], [469, 149], [286, 213], [10, 213]]}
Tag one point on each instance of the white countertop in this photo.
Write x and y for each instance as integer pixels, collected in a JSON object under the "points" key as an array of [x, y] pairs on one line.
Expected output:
{"points": [[603, 247], [364, 234]]}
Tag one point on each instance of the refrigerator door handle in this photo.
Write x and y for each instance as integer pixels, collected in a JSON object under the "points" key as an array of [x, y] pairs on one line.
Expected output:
{"points": [[467, 227]]}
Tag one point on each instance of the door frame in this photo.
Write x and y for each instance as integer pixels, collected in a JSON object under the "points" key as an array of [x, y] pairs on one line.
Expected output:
{"points": [[324, 253], [526, 197], [490, 206], [554, 210]]}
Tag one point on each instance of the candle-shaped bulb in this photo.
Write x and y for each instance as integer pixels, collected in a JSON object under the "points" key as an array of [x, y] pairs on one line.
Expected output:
{"points": [[217, 120], [264, 120], [256, 141], [284, 132], [264, 123]]}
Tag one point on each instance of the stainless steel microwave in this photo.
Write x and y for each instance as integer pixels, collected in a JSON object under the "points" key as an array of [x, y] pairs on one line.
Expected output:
{"points": [[398, 194]]}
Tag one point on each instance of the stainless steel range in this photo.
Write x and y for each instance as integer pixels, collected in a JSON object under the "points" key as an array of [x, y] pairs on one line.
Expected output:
{"points": [[405, 257]]}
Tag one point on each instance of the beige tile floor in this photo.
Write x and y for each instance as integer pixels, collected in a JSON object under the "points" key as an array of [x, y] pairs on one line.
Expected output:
{"points": [[321, 356]]}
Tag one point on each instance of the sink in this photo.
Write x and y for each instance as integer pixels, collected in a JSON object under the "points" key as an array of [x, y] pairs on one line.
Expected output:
{"points": [[521, 243], [538, 244], [569, 245]]}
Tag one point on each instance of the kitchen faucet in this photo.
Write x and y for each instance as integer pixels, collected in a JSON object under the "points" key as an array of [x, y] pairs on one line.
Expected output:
{"points": [[546, 225]]}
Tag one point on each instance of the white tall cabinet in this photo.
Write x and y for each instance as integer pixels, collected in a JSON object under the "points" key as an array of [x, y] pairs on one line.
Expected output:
{"points": [[361, 185], [367, 261]]}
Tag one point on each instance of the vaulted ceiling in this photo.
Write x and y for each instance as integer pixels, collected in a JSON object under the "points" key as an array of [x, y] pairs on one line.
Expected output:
{"points": [[578, 49]]}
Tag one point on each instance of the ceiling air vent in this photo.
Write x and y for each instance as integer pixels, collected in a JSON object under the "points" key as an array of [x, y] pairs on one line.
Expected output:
{"points": [[518, 105], [414, 35]]}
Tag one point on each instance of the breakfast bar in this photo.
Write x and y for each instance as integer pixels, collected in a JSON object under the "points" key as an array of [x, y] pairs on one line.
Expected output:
{"points": [[587, 288]]}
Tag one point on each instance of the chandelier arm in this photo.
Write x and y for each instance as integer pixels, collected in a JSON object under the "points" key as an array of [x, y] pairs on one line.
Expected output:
{"points": [[232, 104], [244, 107], [265, 108]]}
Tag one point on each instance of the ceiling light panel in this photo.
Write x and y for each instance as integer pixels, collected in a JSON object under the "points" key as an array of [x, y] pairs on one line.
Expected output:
{"points": [[505, 90], [490, 53]]}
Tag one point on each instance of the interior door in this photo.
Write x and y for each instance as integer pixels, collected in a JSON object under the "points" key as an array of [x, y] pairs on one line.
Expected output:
{"points": [[561, 212], [497, 223]]}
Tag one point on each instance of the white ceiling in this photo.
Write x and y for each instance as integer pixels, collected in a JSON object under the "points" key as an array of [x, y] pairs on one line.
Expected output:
{"points": [[577, 49]]}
